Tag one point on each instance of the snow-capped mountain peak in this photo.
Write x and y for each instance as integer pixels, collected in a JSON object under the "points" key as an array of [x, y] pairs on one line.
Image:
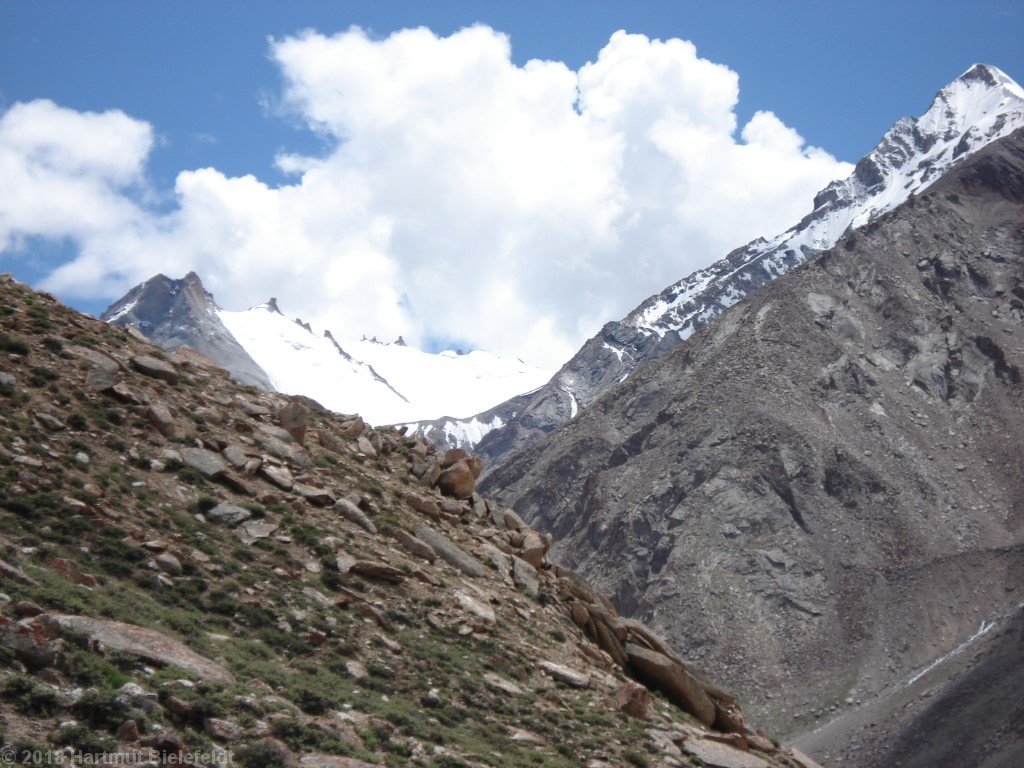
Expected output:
{"points": [[980, 106], [384, 382]]}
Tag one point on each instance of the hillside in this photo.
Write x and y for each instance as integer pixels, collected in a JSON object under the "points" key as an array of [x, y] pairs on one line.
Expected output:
{"points": [[192, 565], [822, 492]]}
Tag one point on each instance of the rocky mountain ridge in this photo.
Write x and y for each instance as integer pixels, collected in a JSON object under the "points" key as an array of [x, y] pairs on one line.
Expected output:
{"points": [[836, 462], [977, 108], [387, 383], [190, 566]]}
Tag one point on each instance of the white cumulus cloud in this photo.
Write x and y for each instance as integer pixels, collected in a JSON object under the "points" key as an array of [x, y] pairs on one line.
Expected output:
{"points": [[515, 208]]}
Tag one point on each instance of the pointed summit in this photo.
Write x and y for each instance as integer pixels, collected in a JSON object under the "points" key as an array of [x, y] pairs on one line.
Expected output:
{"points": [[182, 313]]}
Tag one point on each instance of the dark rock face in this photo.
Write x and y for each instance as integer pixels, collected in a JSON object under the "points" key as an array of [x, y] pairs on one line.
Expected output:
{"points": [[820, 493], [180, 313]]}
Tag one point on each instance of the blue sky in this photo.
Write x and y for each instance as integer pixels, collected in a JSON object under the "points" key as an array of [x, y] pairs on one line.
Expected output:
{"points": [[839, 72], [203, 77]]}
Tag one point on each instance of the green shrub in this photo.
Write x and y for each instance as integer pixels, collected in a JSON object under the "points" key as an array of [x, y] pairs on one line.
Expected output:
{"points": [[12, 345], [30, 697]]}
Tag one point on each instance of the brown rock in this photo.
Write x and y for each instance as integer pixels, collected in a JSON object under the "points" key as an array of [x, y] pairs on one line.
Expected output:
{"points": [[354, 514], [128, 731], [294, 418], [159, 415], [453, 456], [457, 481], [672, 679], [424, 506], [534, 549], [414, 546], [632, 699]]}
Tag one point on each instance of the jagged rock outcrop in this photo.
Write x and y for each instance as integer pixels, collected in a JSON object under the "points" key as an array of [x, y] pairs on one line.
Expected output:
{"points": [[820, 493], [181, 313]]}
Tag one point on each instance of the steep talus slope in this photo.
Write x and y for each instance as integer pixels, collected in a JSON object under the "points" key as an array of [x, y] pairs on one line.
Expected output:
{"points": [[979, 107], [966, 711], [191, 569], [181, 313], [823, 491]]}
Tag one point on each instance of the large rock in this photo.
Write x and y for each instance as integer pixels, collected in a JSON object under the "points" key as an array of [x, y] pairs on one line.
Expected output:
{"points": [[294, 418], [147, 644], [524, 576], [354, 514], [159, 415], [661, 673], [279, 476], [228, 514], [720, 755], [96, 359], [154, 368], [316, 496], [565, 674], [457, 481], [206, 463], [449, 551], [415, 546]]}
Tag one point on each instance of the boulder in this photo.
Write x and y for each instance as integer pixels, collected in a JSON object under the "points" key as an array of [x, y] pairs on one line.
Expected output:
{"points": [[449, 551], [524, 576], [146, 644], [154, 368], [354, 514], [316, 496], [453, 456], [564, 674], [535, 547], [279, 476], [228, 514], [424, 506], [661, 673], [475, 607], [457, 481], [294, 418], [159, 415], [254, 530], [206, 463], [720, 755], [100, 380], [365, 447], [631, 699], [97, 360], [415, 546], [501, 562], [235, 456]]}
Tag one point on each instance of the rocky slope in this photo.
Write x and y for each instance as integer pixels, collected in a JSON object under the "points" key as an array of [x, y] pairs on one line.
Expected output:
{"points": [[191, 567], [977, 108], [822, 492]]}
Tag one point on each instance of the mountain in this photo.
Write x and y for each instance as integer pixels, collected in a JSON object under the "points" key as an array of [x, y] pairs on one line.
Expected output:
{"points": [[387, 383], [197, 570], [182, 313], [977, 108], [821, 493]]}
